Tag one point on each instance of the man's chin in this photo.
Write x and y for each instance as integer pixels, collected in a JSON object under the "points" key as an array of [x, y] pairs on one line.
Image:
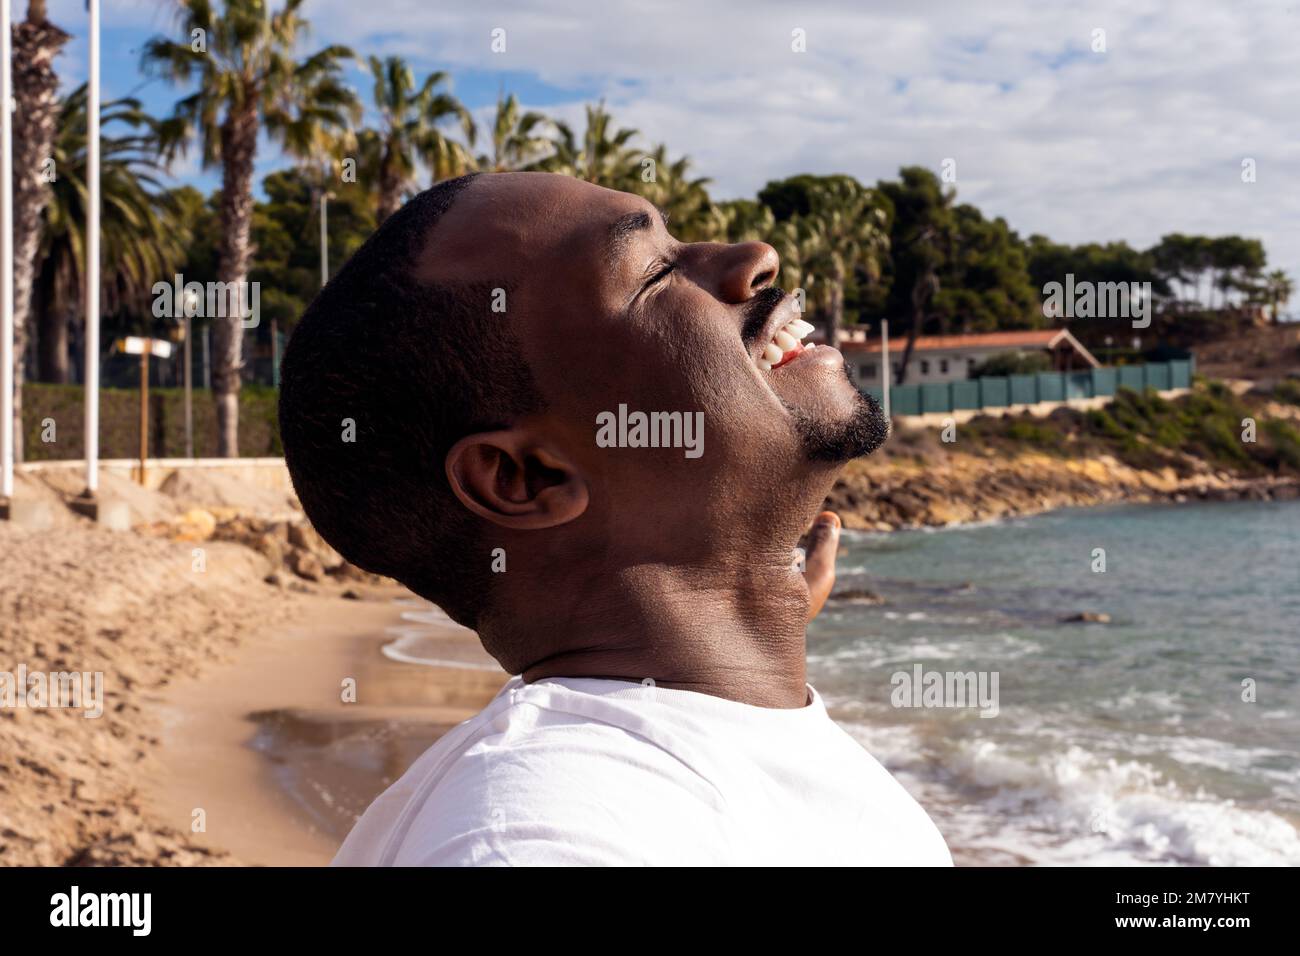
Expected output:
{"points": [[859, 433]]}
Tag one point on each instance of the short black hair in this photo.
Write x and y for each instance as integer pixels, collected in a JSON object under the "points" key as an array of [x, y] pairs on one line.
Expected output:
{"points": [[414, 366]]}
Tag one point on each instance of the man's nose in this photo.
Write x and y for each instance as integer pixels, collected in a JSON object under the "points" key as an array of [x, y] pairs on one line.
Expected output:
{"points": [[747, 269]]}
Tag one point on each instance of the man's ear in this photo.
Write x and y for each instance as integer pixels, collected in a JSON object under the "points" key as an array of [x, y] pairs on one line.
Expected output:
{"points": [[510, 479]]}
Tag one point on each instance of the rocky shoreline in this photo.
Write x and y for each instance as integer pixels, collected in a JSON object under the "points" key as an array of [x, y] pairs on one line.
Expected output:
{"points": [[961, 488]]}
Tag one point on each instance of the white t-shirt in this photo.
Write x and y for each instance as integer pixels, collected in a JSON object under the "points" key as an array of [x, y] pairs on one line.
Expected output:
{"points": [[581, 771]]}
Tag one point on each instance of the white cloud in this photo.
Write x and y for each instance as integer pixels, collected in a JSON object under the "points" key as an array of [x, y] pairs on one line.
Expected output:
{"points": [[1144, 139]]}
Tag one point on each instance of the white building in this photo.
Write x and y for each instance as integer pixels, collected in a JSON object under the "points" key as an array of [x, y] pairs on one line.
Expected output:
{"points": [[950, 358]]}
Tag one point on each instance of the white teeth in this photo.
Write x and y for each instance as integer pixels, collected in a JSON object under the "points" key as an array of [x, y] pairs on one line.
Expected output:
{"points": [[785, 340]]}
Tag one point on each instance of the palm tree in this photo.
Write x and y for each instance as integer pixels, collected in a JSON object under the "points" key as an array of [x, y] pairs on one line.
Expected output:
{"points": [[1278, 289], [408, 132], [844, 234], [142, 237], [36, 42], [516, 143], [243, 62], [604, 156], [800, 247], [684, 200], [739, 220]]}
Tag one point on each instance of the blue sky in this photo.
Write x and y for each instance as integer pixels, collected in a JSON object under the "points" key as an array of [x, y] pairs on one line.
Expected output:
{"points": [[1140, 139], [120, 47]]}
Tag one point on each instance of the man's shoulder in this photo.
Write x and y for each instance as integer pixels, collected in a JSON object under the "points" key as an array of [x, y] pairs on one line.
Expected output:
{"points": [[527, 783]]}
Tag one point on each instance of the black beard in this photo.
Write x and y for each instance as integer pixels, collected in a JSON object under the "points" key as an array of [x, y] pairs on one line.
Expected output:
{"points": [[836, 442]]}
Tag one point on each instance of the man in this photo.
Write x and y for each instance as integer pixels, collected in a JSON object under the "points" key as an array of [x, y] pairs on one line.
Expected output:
{"points": [[481, 405]]}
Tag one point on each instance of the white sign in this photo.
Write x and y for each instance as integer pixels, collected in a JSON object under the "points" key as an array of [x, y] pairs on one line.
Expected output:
{"points": [[135, 345]]}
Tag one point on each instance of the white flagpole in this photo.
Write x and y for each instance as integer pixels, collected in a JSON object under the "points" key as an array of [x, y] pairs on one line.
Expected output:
{"points": [[7, 266], [92, 260], [885, 370], [324, 240]]}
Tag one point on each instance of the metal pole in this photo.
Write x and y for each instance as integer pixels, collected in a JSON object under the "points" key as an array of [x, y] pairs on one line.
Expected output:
{"points": [[885, 370], [275, 353], [92, 259], [189, 390], [144, 406], [324, 248], [7, 265]]}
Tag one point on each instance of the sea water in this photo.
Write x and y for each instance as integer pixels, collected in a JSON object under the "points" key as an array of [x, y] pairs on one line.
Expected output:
{"points": [[1170, 735]]}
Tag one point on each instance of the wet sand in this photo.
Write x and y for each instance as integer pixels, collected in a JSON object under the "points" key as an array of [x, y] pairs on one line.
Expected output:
{"points": [[268, 749]]}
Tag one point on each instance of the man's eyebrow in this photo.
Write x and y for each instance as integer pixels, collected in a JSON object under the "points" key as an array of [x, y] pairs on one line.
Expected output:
{"points": [[625, 227]]}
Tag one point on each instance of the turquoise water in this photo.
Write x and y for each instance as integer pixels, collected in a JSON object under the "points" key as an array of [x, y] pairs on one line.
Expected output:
{"points": [[1126, 742]]}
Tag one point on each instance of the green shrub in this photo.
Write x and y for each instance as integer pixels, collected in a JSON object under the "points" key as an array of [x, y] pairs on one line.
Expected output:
{"points": [[1013, 363], [1147, 431], [1032, 433], [1287, 390], [1285, 440]]}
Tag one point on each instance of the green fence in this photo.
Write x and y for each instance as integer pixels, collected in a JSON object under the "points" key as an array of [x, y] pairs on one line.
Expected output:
{"points": [[53, 429], [998, 391]]}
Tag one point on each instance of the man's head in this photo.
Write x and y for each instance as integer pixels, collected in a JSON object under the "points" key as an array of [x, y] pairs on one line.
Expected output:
{"points": [[477, 342]]}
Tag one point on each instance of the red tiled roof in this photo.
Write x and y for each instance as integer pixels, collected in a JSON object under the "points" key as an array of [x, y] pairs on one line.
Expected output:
{"points": [[1029, 338]]}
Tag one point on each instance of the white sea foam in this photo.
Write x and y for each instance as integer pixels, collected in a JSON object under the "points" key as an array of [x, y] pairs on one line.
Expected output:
{"points": [[1163, 701], [413, 649], [965, 525], [415, 642], [872, 653], [1073, 807]]}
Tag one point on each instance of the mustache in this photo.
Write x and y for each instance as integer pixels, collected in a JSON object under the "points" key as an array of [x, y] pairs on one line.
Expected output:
{"points": [[757, 311]]}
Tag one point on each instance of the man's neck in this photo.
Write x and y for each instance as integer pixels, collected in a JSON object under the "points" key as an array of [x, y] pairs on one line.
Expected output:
{"points": [[736, 633]]}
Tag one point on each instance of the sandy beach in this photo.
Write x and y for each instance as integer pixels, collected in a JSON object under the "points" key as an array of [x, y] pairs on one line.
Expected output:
{"points": [[128, 607], [222, 734], [267, 747]]}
